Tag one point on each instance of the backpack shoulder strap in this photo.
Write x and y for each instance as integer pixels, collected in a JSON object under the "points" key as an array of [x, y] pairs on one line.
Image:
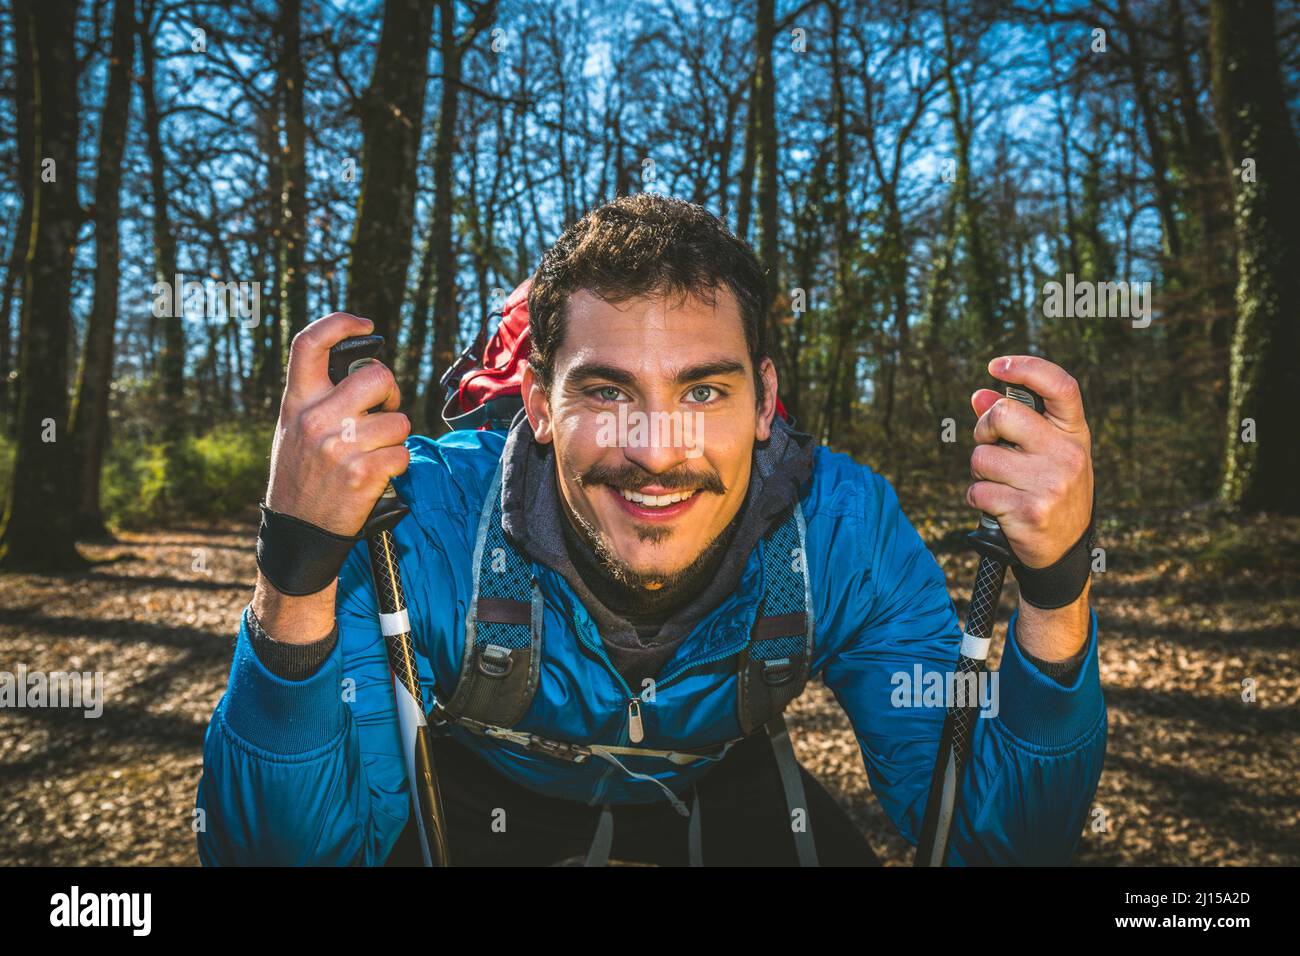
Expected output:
{"points": [[503, 630], [774, 666]]}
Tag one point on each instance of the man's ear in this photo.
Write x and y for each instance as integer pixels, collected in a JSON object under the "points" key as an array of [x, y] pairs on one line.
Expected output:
{"points": [[766, 410], [537, 405]]}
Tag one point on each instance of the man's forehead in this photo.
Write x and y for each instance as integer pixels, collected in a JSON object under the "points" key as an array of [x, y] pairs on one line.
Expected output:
{"points": [[657, 311], [692, 324], [654, 337]]}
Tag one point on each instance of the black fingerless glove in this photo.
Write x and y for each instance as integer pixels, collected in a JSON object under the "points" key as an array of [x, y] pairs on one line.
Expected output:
{"points": [[299, 558], [1061, 583]]}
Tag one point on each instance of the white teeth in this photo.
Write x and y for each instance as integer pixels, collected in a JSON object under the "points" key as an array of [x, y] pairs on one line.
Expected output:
{"points": [[657, 501]]}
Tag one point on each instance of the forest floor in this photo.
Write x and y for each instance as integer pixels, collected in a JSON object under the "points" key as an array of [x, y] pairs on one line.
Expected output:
{"points": [[1195, 608]]}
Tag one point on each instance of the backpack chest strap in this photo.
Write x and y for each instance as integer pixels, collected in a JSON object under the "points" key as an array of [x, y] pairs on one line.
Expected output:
{"points": [[503, 640], [775, 665]]}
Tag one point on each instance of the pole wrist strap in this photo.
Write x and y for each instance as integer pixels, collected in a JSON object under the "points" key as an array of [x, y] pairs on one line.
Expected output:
{"points": [[297, 557], [1061, 583]]}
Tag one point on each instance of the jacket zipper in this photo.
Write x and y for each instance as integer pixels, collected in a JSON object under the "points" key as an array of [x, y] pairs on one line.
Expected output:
{"points": [[635, 729], [602, 785], [710, 659]]}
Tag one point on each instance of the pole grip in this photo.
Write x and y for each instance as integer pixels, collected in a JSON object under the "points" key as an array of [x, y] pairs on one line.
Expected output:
{"points": [[345, 358], [988, 539]]}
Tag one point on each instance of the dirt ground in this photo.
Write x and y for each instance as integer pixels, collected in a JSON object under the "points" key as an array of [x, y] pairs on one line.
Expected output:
{"points": [[1191, 605]]}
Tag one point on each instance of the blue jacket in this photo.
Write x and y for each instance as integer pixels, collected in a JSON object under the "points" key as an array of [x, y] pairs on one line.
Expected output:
{"points": [[311, 771]]}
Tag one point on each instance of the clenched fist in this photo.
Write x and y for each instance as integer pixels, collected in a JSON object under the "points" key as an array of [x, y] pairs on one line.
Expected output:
{"points": [[1040, 491], [332, 457]]}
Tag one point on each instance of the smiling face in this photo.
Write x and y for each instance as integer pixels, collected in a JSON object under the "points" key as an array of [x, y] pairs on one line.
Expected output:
{"points": [[653, 413]]}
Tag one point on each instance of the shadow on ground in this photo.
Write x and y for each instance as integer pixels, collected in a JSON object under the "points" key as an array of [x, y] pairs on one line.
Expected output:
{"points": [[1197, 611]]}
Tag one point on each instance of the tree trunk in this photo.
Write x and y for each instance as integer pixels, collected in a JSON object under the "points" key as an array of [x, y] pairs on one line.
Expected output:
{"points": [[844, 348], [1165, 199], [765, 161], [293, 221], [937, 367], [980, 271], [89, 423], [38, 531], [1213, 258], [745, 197], [413, 354], [171, 364], [270, 351], [24, 100], [392, 116], [446, 318], [1251, 107]]}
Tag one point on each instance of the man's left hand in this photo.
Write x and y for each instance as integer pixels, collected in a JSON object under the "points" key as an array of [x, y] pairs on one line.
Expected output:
{"points": [[1041, 490]]}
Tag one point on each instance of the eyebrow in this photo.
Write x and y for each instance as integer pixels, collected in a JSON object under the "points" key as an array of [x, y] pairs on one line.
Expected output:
{"points": [[586, 371]]}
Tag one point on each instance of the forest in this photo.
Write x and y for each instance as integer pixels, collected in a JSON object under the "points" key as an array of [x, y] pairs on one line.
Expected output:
{"points": [[1111, 184], [924, 181]]}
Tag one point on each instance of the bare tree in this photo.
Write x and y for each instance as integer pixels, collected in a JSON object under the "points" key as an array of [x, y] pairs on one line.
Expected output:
{"points": [[293, 156], [446, 318], [1259, 147], [38, 524], [392, 116], [89, 423]]}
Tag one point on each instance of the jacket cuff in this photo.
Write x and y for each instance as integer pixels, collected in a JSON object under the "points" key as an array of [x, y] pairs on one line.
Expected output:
{"points": [[293, 662], [1040, 711], [1063, 672], [285, 717]]}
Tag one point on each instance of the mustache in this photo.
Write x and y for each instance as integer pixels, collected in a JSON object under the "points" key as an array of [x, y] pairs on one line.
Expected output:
{"points": [[631, 478]]}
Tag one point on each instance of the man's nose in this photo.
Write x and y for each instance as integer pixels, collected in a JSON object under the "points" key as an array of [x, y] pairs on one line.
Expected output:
{"points": [[658, 447]]}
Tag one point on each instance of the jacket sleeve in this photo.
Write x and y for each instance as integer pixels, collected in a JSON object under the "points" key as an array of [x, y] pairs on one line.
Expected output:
{"points": [[308, 772], [1037, 755]]}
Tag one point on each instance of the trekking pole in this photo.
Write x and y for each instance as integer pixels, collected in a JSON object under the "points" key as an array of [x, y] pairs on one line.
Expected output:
{"points": [[395, 624], [959, 723]]}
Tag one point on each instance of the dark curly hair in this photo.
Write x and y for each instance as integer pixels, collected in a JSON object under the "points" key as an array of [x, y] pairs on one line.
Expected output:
{"points": [[645, 245]]}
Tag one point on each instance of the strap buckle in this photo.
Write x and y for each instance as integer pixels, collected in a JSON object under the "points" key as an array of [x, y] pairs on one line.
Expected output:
{"points": [[495, 661], [778, 672], [574, 753]]}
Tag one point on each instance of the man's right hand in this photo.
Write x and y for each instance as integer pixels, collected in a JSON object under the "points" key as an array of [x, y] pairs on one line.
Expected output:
{"points": [[332, 457], [330, 460]]}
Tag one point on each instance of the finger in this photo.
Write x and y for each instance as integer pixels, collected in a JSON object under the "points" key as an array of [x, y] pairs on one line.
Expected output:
{"points": [[1009, 420], [369, 386], [1062, 401], [993, 498], [983, 400], [308, 373], [392, 461], [1006, 466], [382, 430], [394, 400]]}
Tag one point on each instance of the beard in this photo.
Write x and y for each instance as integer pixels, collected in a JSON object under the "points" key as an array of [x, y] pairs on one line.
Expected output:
{"points": [[653, 591]]}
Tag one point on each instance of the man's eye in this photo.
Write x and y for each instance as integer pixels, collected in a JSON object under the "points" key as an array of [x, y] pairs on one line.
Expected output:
{"points": [[703, 393], [607, 393]]}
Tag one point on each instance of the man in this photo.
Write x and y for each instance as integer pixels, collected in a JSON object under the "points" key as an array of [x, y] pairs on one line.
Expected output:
{"points": [[610, 624]]}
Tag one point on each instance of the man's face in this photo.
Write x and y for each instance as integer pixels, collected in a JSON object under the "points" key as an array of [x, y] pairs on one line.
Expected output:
{"points": [[654, 415]]}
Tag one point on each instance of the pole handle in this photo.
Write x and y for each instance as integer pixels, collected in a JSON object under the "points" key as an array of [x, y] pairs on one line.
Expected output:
{"points": [[988, 539], [345, 358]]}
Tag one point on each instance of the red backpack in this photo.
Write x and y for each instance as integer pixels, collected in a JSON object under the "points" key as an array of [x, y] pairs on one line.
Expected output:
{"points": [[483, 384]]}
